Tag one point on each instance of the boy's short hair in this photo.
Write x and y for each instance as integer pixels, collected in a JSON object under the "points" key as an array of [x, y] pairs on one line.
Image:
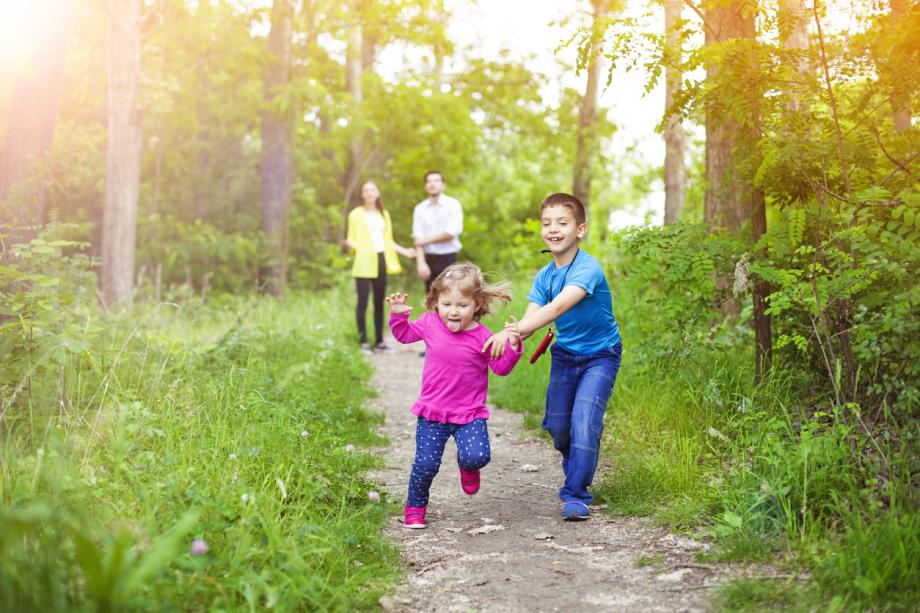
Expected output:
{"points": [[568, 201], [434, 172]]}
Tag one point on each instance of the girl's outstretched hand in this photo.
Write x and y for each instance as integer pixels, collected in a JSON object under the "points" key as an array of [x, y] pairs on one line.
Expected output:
{"points": [[397, 303], [514, 335], [495, 344]]}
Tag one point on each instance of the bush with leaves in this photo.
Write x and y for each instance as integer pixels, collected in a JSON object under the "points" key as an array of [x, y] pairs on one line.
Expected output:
{"points": [[47, 288]]}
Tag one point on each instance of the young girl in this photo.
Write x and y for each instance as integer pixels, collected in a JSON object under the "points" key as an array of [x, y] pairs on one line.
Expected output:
{"points": [[455, 377]]}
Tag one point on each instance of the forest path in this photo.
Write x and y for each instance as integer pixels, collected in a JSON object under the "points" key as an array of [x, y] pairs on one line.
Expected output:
{"points": [[507, 548]]}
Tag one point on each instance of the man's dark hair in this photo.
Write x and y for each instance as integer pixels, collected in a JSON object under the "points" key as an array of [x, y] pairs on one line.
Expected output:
{"points": [[434, 172], [569, 201]]}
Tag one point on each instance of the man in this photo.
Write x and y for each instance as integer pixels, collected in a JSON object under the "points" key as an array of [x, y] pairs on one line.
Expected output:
{"points": [[436, 226]]}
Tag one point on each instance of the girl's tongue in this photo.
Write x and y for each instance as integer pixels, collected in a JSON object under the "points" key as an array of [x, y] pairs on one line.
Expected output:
{"points": [[453, 325]]}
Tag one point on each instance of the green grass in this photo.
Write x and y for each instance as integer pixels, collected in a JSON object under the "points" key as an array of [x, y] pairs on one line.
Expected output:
{"points": [[649, 560], [226, 423], [691, 442], [767, 595], [874, 564]]}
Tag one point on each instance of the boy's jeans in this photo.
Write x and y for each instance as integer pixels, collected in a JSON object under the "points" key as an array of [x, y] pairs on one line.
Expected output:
{"points": [[576, 399]]}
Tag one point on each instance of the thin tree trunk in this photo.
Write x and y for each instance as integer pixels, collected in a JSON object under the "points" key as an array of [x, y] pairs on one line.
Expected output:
{"points": [[355, 63], [275, 166], [674, 172], [793, 26], [353, 71], [32, 118], [727, 201], [724, 203], [900, 95], [793, 34], [763, 332], [842, 309], [586, 144], [119, 226], [439, 22]]}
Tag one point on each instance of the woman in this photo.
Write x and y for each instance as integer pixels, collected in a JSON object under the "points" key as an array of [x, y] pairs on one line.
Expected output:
{"points": [[370, 236]]}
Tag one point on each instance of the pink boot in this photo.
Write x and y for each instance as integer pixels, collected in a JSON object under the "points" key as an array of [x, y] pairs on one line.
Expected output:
{"points": [[469, 480], [415, 517]]}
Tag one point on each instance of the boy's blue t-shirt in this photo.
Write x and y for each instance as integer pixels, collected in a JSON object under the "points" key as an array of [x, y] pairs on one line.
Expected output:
{"points": [[589, 326]]}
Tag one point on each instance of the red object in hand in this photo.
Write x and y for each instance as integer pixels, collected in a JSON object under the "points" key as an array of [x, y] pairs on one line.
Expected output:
{"points": [[542, 348]]}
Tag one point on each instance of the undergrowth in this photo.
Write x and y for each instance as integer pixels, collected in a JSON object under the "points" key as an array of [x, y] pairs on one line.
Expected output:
{"points": [[232, 424], [767, 472]]}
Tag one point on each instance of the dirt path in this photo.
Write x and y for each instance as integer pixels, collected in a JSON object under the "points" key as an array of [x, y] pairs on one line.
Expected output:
{"points": [[507, 548]]}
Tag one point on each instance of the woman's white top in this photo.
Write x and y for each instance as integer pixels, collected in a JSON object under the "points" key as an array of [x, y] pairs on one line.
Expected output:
{"points": [[375, 225]]}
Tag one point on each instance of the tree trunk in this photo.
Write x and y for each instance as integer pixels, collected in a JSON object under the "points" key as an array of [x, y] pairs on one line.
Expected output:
{"points": [[119, 225], [725, 204], [763, 329], [353, 70], [793, 34], [439, 22], [900, 95], [586, 144], [33, 114], [674, 173], [275, 166]]}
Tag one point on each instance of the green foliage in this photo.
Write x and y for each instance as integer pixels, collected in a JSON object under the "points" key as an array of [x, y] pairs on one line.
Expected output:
{"points": [[198, 253], [671, 270], [877, 561], [227, 423], [45, 298], [766, 595], [845, 299]]}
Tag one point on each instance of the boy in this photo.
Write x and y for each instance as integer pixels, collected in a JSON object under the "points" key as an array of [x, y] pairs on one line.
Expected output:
{"points": [[572, 291]]}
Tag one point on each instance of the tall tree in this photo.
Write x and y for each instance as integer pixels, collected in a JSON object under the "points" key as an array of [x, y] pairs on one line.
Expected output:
{"points": [[33, 115], [793, 34], [276, 165], [674, 172], [355, 63], [119, 222], [730, 199], [725, 203], [900, 95], [586, 144], [439, 47]]}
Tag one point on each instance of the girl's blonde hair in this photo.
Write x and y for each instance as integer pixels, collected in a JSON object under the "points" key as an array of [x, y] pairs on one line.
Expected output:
{"points": [[467, 279]]}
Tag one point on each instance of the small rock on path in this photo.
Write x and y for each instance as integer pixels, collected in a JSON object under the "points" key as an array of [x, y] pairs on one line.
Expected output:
{"points": [[507, 548]]}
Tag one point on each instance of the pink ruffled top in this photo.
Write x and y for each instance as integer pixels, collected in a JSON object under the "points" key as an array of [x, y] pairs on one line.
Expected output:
{"points": [[455, 378]]}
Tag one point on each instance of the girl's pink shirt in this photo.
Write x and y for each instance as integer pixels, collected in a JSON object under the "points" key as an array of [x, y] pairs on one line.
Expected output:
{"points": [[455, 378]]}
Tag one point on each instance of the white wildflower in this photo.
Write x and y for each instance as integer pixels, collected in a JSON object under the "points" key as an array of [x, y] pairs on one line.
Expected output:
{"points": [[741, 276], [281, 487]]}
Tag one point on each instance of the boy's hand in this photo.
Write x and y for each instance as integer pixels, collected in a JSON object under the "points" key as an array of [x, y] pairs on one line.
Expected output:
{"points": [[397, 303], [495, 344]]}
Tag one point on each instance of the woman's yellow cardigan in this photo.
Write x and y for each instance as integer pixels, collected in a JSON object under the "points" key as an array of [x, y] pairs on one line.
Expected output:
{"points": [[365, 265]]}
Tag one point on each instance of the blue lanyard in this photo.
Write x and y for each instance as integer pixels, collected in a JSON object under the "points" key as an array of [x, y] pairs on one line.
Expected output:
{"points": [[564, 275]]}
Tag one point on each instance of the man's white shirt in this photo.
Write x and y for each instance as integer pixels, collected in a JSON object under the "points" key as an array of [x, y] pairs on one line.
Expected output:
{"points": [[445, 216]]}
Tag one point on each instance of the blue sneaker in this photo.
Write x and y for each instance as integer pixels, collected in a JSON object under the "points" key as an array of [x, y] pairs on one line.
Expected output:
{"points": [[575, 511]]}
